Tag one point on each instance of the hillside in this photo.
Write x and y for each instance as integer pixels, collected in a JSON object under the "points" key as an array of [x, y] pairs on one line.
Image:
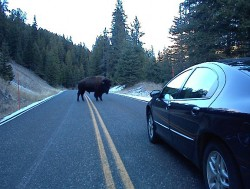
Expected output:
{"points": [[31, 89]]}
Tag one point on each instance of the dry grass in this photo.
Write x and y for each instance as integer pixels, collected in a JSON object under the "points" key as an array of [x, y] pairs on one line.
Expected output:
{"points": [[31, 89]]}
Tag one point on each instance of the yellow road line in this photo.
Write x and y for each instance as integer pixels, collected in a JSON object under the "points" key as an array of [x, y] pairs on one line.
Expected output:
{"points": [[120, 166], [104, 160]]}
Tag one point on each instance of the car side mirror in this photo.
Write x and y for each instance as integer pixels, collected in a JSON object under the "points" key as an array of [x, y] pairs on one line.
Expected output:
{"points": [[155, 93]]}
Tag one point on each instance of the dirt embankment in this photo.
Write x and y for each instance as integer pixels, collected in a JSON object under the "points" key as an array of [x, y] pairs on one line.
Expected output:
{"points": [[31, 89]]}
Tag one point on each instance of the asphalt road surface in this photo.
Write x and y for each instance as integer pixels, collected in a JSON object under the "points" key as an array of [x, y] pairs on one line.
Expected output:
{"points": [[63, 143]]}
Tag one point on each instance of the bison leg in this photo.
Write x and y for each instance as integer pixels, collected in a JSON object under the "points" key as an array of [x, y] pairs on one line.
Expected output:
{"points": [[80, 93], [82, 96], [100, 96], [96, 96]]}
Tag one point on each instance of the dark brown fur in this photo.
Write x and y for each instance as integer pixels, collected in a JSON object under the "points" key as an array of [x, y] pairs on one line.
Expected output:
{"points": [[96, 84]]}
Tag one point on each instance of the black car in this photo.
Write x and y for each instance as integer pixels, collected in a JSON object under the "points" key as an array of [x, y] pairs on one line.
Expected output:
{"points": [[204, 113]]}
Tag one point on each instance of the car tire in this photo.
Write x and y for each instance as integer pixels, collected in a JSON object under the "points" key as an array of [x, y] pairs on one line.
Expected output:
{"points": [[219, 168], [152, 135]]}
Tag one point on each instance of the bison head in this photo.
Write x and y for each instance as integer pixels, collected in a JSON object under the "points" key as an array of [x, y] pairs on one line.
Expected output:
{"points": [[106, 84]]}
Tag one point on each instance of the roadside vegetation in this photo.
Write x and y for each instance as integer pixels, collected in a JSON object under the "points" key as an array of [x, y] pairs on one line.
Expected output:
{"points": [[31, 89]]}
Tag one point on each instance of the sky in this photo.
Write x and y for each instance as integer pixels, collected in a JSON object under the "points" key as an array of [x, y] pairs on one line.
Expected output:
{"points": [[84, 20]]}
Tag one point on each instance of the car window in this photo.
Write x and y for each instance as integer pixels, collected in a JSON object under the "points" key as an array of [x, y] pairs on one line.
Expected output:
{"points": [[202, 84], [174, 86]]}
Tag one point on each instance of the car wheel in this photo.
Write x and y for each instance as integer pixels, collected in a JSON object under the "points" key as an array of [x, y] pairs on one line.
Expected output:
{"points": [[151, 129], [219, 168]]}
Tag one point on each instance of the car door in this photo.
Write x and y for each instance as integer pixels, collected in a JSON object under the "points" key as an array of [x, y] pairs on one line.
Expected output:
{"points": [[186, 112], [161, 104]]}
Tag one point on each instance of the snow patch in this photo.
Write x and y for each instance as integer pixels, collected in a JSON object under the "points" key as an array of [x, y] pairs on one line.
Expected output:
{"points": [[117, 88], [138, 92]]}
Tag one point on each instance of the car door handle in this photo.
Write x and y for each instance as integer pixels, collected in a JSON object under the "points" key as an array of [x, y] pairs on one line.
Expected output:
{"points": [[195, 111]]}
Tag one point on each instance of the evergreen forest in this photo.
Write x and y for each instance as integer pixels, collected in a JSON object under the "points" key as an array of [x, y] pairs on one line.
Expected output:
{"points": [[205, 30]]}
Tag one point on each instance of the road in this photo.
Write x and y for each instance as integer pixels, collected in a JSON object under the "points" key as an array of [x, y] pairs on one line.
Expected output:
{"points": [[63, 143]]}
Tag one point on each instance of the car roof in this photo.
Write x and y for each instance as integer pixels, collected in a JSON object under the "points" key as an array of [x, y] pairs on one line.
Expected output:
{"points": [[235, 61], [242, 64]]}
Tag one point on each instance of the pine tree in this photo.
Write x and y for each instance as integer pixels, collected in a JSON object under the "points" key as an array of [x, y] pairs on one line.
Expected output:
{"points": [[136, 34], [105, 62], [96, 57], [52, 68], [28, 54], [100, 57], [6, 71], [83, 61], [3, 20], [211, 29], [118, 39], [37, 67], [119, 28], [152, 68], [34, 30], [130, 65], [17, 38]]}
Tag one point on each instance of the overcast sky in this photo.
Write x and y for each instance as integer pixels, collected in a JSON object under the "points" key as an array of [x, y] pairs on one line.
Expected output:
{"points": [[84, 20]]}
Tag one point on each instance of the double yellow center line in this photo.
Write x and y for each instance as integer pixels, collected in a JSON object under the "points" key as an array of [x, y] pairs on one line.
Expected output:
{"points": [[104, 160]]}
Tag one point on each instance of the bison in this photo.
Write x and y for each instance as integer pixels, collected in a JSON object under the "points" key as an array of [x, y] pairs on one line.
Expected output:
{"points": [[96, 84]]}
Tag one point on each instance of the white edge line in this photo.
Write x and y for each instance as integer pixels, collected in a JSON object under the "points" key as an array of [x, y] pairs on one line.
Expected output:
{"points": [[25, 109], [144, 99]]}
